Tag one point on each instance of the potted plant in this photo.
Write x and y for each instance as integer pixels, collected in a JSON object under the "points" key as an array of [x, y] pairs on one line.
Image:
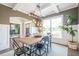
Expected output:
{"points": [[69, 29]]}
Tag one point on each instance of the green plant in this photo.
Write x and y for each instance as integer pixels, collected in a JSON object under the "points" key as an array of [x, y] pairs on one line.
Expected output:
{"points": [[68, 27]]}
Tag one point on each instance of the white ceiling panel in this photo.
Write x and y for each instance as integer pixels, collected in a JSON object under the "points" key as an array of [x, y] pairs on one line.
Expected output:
{"points": [[66, 6], [44, 5], [50, 10], [46, 8], [25, 7]]}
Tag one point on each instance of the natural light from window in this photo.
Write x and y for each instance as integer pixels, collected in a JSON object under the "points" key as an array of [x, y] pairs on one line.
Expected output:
{"points": [[52, 25]]}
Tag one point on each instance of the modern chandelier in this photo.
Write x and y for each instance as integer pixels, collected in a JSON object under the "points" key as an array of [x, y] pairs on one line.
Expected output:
{"points": [[37, 18]]}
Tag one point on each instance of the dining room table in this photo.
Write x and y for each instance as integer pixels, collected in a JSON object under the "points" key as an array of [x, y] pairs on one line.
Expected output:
{"points": [[30, 41]]}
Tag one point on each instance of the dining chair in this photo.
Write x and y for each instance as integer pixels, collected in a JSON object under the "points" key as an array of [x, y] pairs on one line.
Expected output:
{"points": [[42, 47], [47, 43], [19, 48]]}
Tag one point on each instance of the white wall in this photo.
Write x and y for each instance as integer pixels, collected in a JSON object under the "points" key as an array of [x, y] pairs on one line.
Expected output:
{"points": [[4, 36]]}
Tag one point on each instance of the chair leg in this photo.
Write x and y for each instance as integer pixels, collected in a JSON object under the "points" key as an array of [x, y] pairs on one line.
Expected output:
{"points": [[36, 53], [39, 52], [24, 54], [14, 54], [46, 53], [47, 49]]}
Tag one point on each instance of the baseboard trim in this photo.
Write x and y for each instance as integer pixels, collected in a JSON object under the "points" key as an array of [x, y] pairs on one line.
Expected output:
{"points": [[5, 50]]}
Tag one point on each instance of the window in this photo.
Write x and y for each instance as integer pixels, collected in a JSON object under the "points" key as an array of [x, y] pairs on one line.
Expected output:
{"points": [[55, 23], [46, 26], [52, 25]]}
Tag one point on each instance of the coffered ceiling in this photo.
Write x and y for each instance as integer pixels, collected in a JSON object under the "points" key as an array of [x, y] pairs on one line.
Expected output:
{"points": [[45, 8]]}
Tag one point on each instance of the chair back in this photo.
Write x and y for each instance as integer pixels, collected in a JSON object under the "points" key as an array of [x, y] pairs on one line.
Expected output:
{"points": [[16, 44], [45, 40]]}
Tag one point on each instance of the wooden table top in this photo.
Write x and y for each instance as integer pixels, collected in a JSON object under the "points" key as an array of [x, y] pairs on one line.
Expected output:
{"points": [[30, 40]]}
